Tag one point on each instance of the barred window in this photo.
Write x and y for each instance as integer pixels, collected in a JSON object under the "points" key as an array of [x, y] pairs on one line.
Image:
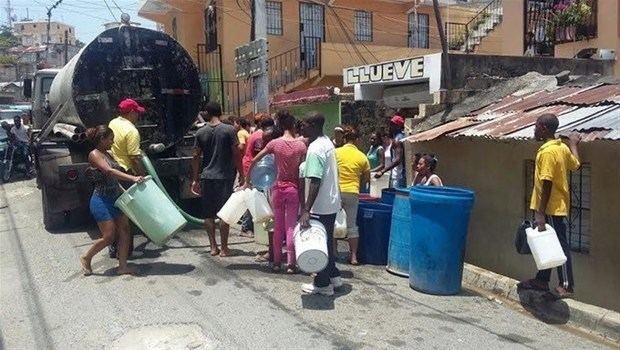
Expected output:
{"points": [[274, 18], [363, 26], [578, 225], [418, 31]]}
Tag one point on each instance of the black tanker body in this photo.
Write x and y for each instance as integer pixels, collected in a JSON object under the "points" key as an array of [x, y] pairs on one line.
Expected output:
{"points": [[125, 62]]}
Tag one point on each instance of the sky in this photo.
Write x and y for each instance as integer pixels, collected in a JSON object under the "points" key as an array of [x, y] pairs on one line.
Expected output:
{"points": [[87, 16]]}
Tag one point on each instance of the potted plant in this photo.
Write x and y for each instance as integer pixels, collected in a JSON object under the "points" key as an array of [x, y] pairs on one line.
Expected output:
{"points": [[567, 16]]}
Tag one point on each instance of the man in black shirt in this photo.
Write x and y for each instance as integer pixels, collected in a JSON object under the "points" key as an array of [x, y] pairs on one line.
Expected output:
{"points": [[216, 153]]}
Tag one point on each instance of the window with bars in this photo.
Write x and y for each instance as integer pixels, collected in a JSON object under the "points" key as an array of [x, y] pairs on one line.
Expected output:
{"points": [[363, 25], [418, 30], [274, 18], [578, 225]]}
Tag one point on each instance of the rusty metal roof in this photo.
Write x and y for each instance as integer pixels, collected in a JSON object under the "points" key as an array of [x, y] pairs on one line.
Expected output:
{"points": [[594, 112]]}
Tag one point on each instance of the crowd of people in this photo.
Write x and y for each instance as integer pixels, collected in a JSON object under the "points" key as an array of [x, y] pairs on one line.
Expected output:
{"points": [[316, 177]]}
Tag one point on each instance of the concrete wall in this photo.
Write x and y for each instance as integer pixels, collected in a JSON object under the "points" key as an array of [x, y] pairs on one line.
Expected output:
{"points": [[608, 33], [329, 109], [464, 66], [507, 37], [495, 171]]}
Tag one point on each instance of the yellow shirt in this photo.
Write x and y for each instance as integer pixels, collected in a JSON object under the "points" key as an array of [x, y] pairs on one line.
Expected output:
{"points": [[352, 163], [126, 141], [242, 136], [553, 161]]}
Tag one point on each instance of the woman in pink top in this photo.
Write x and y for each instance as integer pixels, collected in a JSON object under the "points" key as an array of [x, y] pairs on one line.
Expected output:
{"points": [[289, 152]]}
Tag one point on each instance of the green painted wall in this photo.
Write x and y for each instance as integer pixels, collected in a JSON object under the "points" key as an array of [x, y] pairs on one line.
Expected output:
{"points": [[330, 110]]}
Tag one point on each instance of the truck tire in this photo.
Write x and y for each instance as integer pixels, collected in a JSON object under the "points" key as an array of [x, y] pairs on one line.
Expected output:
{"points": [[51, 220]]}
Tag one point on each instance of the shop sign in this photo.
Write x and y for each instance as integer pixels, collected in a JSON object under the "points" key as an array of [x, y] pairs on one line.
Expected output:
{"points": [[395, 71]]}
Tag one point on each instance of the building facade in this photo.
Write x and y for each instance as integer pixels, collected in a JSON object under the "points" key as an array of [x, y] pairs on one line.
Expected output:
{"points": [[34, 33], [310, 43]]}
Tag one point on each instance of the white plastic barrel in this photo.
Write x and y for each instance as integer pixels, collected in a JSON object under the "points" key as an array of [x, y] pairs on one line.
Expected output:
{"points": [[545, 247], [258, 205], [234, 208], [311, 247], [376, 185]]}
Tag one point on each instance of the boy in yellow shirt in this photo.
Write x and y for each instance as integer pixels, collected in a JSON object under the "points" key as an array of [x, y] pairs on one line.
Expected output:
{"points": [[551, 197]]}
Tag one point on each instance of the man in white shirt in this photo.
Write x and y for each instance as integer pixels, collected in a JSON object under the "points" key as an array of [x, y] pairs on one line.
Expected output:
{"points": [[19, 133], [323, 200]]}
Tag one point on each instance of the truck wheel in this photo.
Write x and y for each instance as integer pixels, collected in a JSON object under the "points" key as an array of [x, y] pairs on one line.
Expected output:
{"points": [[51, 220]]}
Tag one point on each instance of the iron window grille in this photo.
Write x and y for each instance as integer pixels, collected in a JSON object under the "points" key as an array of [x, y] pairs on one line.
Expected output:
{"points": [[418, 31], [578, 221], [274, 18], [363, 25]]}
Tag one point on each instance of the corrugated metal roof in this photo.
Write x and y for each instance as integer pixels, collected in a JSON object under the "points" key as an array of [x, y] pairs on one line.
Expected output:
{"points": [[593, 111]]}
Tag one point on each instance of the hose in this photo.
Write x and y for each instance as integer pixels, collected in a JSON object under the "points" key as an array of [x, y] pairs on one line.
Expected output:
{"points": [[150, 169]]}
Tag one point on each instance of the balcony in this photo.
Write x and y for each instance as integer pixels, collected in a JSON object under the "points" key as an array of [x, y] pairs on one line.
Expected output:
{"points": [[575, 21]]}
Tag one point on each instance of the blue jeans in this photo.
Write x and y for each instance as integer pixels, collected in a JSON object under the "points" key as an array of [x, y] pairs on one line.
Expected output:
{"points": [[23, 149]]}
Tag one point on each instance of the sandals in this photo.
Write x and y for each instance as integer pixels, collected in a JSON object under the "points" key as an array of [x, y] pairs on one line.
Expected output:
{"points": [[291, 270]]}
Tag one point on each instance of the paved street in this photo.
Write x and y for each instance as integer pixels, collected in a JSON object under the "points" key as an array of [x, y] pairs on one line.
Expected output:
{"points": [[185, 299]]}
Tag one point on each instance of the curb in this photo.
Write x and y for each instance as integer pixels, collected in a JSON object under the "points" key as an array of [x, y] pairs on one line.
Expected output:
{"points": [[593, 319]]}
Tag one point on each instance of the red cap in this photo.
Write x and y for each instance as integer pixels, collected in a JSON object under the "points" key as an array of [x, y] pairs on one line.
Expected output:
{"points": [[128, 105], [398, 120]]}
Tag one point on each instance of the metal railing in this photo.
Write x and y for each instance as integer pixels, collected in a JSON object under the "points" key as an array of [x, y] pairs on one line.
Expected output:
{"points": [[283, 69], [459, 34]]}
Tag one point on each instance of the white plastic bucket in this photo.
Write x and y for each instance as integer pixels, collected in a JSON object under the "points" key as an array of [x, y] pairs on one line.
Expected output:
{"points": [[258, 205], [311, 247], [233, 209], [340, 227], [376, 185], [545, 247]]}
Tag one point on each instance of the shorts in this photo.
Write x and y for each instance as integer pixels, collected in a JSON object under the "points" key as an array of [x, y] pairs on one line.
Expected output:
{"points": [[103, 208], [215, 193], [350, 202]]}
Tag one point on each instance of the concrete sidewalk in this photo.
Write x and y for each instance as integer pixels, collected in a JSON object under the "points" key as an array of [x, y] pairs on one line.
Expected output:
{"points": [[589, 318]]}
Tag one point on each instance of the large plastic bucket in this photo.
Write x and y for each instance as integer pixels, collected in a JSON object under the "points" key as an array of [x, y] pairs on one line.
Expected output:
{"points": [[234, 208], [374, 230], [376, 185], [311, 247], [439, 221], [148, 207], [400, 235], [388, 194]]}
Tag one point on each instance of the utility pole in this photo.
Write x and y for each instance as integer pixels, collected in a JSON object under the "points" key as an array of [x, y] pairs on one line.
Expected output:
{"points": [[446, 73], [66, 46], [261, 82], [49, 20]]}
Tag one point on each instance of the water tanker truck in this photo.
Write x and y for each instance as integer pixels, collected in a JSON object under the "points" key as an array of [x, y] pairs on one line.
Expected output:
{"points": [[123, 62]]}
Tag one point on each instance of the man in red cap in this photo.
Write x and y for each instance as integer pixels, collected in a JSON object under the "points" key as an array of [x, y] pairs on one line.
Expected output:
{"points": [[396, 168], [126, 147]]}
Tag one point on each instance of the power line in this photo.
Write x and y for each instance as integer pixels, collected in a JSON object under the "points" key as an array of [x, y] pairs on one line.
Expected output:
{"points": [[109, 9]]}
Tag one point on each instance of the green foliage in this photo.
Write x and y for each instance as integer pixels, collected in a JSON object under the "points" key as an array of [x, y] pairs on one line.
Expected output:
{"points": [[6, 59], [7, 38], [79, 43]]}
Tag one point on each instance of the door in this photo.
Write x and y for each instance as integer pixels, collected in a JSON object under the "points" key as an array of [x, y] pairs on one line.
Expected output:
{"points": [[418, 30], [312, 33]]}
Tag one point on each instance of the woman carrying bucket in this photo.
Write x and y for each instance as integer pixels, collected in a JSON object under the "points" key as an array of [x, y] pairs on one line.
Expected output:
{"points": [[111, 221], [353, 173], [289, 152]]}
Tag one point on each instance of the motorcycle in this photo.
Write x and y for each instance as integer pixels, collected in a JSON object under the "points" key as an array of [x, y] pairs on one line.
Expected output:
{"points": [[17, 157]]}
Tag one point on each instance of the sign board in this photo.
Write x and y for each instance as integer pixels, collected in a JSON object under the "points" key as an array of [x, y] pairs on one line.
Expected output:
{"points": [[395, 71], [251, 59], [388, 80]]}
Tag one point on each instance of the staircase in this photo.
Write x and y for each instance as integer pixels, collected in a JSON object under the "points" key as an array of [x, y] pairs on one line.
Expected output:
{"points": [[465, 37], [287, 71]]}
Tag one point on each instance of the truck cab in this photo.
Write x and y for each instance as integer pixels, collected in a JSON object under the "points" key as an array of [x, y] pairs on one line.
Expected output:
{"points": [[38, 89]]}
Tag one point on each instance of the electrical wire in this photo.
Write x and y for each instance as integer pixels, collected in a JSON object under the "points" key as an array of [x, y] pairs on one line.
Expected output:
{"points": [[110, 9]]}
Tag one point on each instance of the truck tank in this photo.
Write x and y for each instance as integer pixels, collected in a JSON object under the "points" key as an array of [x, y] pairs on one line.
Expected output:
{"points": [[130, 62]]}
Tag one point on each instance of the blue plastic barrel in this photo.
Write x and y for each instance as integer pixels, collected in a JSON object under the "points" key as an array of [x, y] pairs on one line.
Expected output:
{"points": [[374, 230], [400, 235], [439, 221], [387, 195]]}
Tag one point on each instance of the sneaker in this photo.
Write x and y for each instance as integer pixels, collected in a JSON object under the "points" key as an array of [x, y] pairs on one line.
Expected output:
{"points": [[336, 282], [310, 288]]}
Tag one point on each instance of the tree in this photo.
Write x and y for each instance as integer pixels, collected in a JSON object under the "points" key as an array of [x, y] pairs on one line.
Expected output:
{"points": [[79, 43], [7, 38]]}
